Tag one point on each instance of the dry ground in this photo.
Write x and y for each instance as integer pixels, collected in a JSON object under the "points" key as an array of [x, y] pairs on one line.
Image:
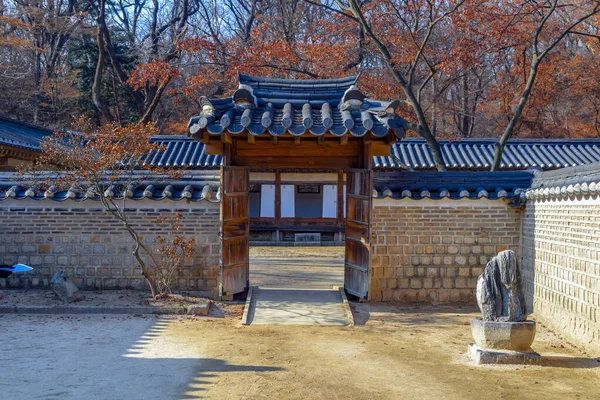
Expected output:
{"points": [[394, 353], [318, 267], [399, 353]]}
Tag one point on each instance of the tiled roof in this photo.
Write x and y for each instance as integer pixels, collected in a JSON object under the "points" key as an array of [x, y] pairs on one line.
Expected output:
{"points": [[280, 106], [410, 153], [181, 151], [193, 188], [478, 154], [509, 185], [21, 135], [468, 154]]}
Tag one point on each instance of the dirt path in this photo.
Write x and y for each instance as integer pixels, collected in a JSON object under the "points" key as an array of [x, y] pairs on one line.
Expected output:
{"points": [[297, 267], [398, 353]]}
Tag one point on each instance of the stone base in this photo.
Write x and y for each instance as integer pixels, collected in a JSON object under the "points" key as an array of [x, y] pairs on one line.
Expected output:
{"points": [[503, 335], [485, 356]]}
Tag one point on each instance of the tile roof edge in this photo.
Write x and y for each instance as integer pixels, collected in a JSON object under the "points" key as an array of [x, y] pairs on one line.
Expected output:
{"points": [[569, 175], [457, 142], [26, 124]]}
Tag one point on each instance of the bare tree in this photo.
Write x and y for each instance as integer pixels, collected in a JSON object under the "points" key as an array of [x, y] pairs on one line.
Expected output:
{"points": [[539, 49], [156, 40]]}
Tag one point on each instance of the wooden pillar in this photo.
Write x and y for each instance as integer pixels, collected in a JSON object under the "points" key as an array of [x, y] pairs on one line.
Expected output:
{"points": [[277, 201], [366, 157], [340, 198], [227, 154]]}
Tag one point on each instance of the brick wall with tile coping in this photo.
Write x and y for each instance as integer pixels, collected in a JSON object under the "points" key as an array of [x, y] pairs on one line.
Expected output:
{"points": [[92, 247], [434, 250], [560, 256]]}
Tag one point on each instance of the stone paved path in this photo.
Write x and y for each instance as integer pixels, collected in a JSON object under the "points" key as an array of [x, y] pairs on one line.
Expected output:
{"points": [[297, 267], [276, 306]]}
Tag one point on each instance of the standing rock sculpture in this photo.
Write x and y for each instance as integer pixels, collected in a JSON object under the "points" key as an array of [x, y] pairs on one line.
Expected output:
{"points": [[503, 335], [500, 290]]}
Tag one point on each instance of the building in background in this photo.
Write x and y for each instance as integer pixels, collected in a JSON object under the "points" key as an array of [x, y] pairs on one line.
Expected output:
{"points": [[19, 143]]}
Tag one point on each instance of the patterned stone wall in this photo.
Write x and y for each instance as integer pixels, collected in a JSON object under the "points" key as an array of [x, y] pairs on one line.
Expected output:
{"points": [[561, 254], [434, 250], [91, 246]]}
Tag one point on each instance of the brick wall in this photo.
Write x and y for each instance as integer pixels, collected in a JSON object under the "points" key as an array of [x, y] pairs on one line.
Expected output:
{"points": [[92, 248], [561, 254], [434, 250]]}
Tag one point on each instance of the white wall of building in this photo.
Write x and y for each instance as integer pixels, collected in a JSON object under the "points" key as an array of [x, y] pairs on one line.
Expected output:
{"points": [[329, 201], [287, 201], [267, 201]]}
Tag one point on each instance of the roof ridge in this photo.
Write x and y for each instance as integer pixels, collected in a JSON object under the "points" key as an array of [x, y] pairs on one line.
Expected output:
{"points": [[246, 79], [514, 140]]}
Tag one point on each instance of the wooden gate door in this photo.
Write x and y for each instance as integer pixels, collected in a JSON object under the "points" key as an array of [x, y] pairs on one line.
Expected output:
{"points": [[359, 184], [235, 230]]}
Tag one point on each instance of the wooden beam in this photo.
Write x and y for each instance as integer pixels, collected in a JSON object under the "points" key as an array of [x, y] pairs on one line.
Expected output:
{"points": [[226, 137], [389, 139], [321, 140], [214, 148], [274, 140], [380, 149], [297, 140], [307, 148], [344, 140], [251, 139], [205, 137], [299, 162]]}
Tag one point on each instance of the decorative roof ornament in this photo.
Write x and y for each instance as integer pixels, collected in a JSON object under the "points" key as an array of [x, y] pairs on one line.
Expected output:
{"points": [[244, 98], [206, 116], [352, 100]]}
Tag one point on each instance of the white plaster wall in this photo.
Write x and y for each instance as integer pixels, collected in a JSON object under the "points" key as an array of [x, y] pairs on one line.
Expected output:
{"points": [[267, 201], [329, 201], [287, 201]]}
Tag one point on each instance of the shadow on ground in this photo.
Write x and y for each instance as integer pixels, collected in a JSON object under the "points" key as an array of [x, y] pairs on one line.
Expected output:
{"points": [[204, 371], [91, 357]]}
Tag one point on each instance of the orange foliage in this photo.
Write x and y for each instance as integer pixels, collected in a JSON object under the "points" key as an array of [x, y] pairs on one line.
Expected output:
{"points": [[155, 73]]}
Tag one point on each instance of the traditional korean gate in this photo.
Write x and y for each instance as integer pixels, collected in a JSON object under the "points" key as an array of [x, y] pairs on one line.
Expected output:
{"points": [[235, 230], [359, 183]]}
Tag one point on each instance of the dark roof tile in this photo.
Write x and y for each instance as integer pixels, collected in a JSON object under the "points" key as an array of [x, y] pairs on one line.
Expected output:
{"points": [[471, 154], [21, 135]]}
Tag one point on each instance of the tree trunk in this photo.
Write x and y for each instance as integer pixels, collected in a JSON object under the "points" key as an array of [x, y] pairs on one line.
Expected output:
{"points": [[97, 85], [434, 127], [37, 83], [499, 147], [465, 127]]}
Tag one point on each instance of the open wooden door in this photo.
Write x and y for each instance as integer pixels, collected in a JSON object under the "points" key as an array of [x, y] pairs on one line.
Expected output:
{"points": [[359, 183], [235, 230]]}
